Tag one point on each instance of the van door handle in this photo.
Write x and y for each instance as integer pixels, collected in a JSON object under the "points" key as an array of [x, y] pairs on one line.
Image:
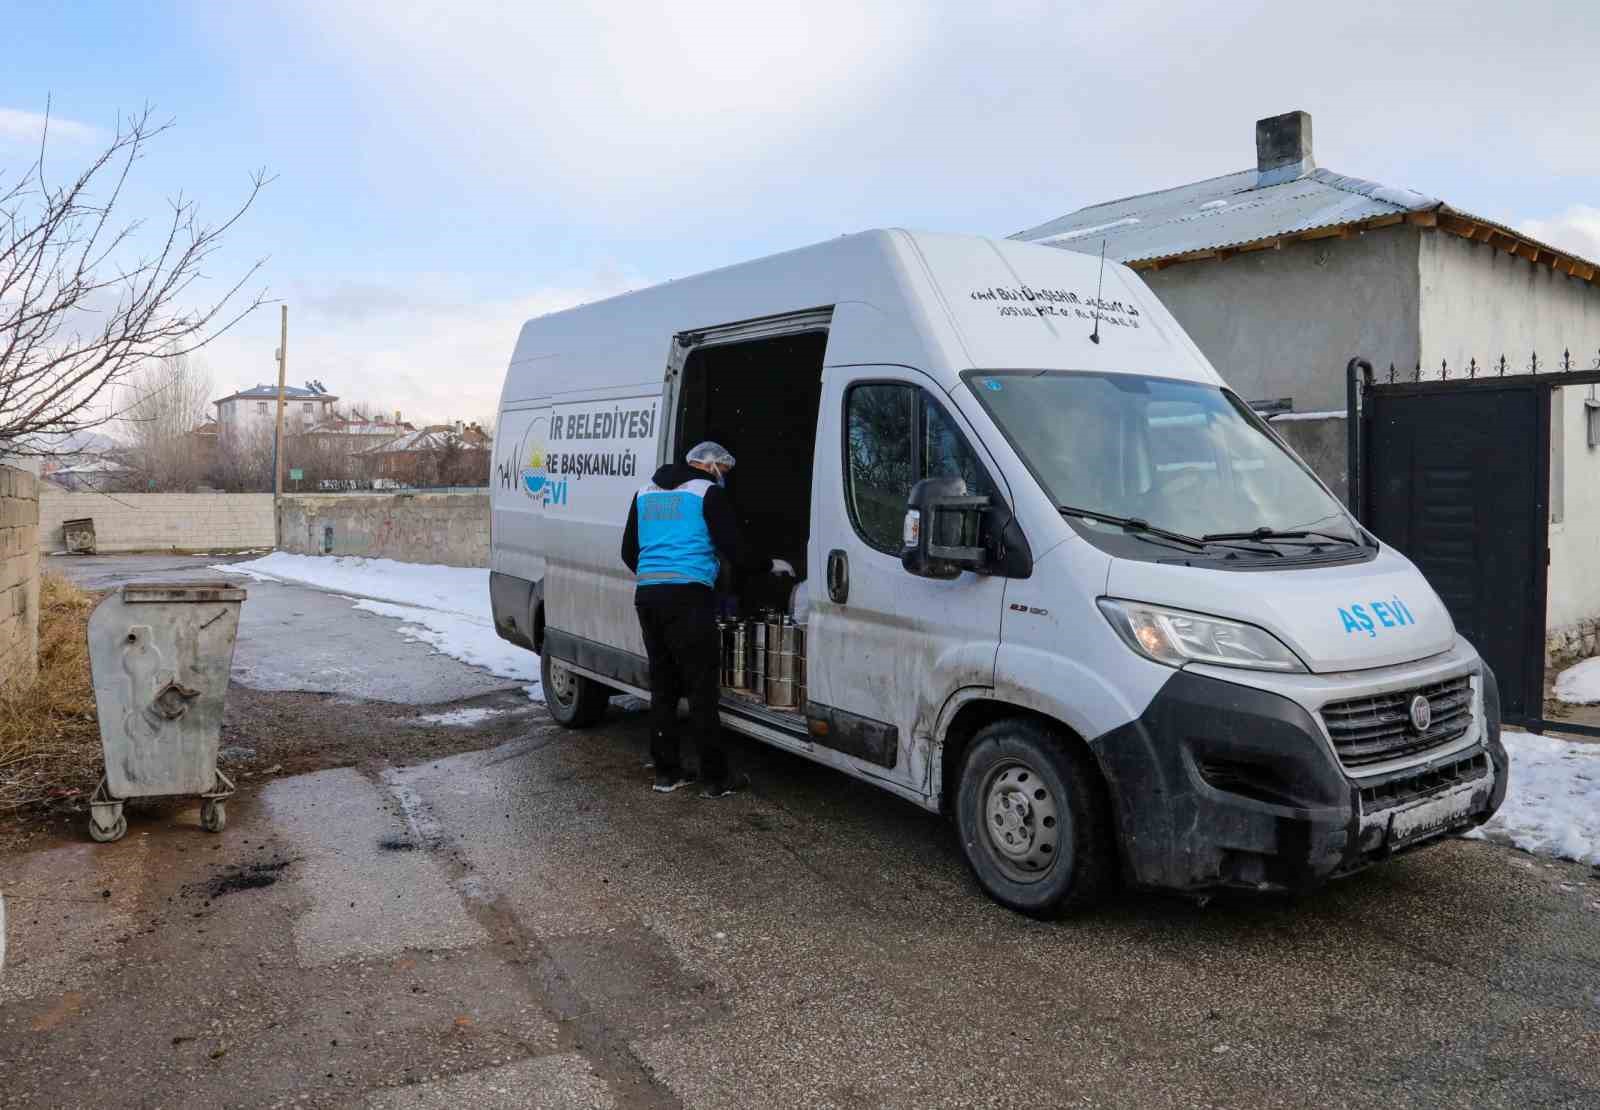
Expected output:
{"points": [[838, 576]]}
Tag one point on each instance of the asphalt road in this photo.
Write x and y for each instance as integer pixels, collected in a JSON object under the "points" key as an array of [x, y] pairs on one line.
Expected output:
{"points": [[530, 926]]}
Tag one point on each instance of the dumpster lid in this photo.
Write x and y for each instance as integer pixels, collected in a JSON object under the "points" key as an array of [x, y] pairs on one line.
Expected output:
{"points": [[135, 592]]}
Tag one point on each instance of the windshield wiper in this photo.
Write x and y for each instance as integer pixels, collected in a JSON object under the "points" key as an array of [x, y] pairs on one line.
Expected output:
{"points": [[1265, 533], [1133, 524]]}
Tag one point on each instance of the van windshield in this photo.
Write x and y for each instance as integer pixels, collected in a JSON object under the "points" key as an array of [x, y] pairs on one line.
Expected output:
{"points": [[1184, 457]]}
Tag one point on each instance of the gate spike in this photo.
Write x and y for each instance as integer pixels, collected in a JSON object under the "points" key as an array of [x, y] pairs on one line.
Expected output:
{"points": [[1566, 361], [1502, 365], [1391, 373], [1417, 377], [1444, 370], [1535, 363], [1472, 367]]}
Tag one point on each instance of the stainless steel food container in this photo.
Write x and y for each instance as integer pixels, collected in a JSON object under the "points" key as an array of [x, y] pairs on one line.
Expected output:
{"points": [[736, 673], [758, 656], [782, 689]]}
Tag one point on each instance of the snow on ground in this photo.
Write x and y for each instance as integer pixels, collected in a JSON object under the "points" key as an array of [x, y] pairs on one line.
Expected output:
{"points": [[1580, 684], [463, 718], [1553, 806], [444, 607]]}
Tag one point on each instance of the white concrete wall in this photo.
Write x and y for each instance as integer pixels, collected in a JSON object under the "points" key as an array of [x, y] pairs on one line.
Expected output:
{"points": [[1283, 323], [1479, 302], [1572, 614], [159, 521]]}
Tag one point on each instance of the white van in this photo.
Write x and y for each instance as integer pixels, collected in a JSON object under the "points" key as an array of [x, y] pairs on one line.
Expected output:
{"points": [[1060, 582]]}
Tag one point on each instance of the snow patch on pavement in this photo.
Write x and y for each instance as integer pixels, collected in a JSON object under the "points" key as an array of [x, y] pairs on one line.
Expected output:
{"points": [[1553, 805], [460, 718], [1580, 683], [444, 607], [465, 636], [453, 589]]}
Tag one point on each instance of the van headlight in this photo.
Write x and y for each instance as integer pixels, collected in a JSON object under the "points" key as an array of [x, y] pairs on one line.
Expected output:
{"points": [[1174, 637]]}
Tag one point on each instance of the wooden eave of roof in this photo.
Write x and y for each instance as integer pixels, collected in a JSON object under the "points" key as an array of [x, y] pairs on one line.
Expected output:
{"points": [[1441, 218]]}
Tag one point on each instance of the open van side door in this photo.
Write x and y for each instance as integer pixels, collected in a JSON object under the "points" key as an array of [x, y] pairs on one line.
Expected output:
{"points": [[885, 648]]}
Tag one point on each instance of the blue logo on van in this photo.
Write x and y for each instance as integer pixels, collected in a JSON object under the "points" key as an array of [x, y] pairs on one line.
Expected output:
{"points": [[1375, 616], [534, 471], [991, 385]]}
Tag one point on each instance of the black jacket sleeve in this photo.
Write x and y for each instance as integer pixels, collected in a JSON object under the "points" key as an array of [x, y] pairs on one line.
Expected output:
{"points": [[724, 529], [630, 537]]}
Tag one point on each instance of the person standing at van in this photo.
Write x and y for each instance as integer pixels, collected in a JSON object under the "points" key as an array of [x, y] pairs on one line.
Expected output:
{"points": [[678, 526]]}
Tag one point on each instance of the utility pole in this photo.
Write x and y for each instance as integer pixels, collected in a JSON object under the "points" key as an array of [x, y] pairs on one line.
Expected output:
{"points": [[277, 442]]}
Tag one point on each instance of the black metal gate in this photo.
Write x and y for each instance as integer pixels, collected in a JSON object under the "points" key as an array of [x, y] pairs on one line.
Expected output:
{"points": [[1456, 474]]}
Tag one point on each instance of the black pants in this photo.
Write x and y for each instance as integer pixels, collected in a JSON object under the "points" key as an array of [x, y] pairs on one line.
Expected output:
{"points": [[680, 636]]}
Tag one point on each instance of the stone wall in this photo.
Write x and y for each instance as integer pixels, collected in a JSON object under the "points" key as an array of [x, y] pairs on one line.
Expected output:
{"points": [[19, 575], [447, 528], [159, 521]]}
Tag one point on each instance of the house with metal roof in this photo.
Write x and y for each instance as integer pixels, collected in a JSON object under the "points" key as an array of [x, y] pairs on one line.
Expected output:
{"points": [[1284, 271], [251, 412], [440, 454]]}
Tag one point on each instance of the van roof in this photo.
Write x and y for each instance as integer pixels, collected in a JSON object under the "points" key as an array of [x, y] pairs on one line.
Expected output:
{"points": [[940, 302]]}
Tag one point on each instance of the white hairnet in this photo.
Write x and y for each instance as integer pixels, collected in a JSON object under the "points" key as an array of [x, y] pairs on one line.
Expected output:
{"points": [[711, 454]]}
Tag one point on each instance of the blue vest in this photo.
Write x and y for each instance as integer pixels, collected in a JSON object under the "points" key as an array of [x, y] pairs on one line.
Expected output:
{"points": [[675, 545]]}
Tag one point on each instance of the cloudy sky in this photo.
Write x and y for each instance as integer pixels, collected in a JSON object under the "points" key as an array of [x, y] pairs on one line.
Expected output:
{"points": [[445, 170]]}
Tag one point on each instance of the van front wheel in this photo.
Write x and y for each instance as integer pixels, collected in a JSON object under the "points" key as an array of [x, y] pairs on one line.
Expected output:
{"points": [[1033, 820], [573, 699]]}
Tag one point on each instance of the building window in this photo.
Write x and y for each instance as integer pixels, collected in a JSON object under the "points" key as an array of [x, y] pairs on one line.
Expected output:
{"points": [[261, 407]]}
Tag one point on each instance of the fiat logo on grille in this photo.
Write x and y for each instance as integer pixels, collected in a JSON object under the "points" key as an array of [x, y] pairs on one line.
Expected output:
{"points": [[1421, 713]]}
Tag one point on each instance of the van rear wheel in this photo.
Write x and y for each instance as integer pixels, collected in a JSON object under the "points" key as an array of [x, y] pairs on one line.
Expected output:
{"points": [[1034, 824], [573, 699]]}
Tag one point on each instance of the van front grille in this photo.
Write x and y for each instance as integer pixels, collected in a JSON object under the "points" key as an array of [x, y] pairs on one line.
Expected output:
{"points": [[1378, 728], [1409, 787]]}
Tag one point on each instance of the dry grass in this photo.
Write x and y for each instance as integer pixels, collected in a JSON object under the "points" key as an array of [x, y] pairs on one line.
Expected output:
{"points": [[49, 736]]}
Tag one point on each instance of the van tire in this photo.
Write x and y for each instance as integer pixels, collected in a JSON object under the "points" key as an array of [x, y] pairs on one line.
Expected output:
{"points": [[573, 699], [1023, 781]]}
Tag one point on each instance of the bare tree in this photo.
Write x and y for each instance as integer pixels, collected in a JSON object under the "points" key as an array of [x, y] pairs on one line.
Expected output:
{"points": [[169, 401], [244, 460], [82, 304]]}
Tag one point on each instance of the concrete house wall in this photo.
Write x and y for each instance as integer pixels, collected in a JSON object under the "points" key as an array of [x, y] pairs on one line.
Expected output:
{"points": [[1283, 323], [1572, 616]]}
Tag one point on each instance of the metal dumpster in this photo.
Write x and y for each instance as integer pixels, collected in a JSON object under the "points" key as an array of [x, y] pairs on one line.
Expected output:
{"points": [[160, 653]]}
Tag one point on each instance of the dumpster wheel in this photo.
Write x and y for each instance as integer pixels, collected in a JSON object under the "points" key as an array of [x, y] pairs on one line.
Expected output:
{"points": [[106, 836], [106, 822], [213, 813]]}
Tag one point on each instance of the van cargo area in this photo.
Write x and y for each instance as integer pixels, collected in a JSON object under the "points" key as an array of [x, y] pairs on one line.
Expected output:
{"points": [[759, 398]]}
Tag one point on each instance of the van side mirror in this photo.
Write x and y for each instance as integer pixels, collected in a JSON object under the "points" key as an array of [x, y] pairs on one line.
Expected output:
{"points": [[943, 529]]}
